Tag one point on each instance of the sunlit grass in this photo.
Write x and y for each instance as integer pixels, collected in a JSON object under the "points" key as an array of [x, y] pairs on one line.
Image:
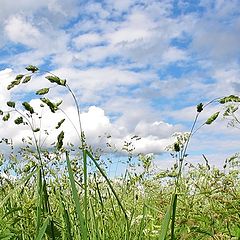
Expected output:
{"points": [[64, 192]]}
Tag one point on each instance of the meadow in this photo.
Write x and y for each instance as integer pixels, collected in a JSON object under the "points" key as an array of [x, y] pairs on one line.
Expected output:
{"points": [[64, 191]]}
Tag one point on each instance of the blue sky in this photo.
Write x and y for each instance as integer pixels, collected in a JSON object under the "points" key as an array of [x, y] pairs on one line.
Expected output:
{"points": [[137, 67]]}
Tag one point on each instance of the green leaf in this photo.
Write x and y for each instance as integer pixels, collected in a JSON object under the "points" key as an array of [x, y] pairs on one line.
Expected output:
{"points": [[53, 231], [65, 216], [165, 223], [28, 107], [174, 208], [16, 186], [57, 80], [26, 79], [6, 117], [32, 68], [109, 184], [75, 195], [1, 112], [199, 107], [18, 120], [60, 140], [60, 123], [171, 211], [36, 130], [43, 229], [42, 91], [11, 104], [231, 98], [212, 118]]}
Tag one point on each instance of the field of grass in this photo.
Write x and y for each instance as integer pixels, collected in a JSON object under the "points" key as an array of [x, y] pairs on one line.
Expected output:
{"points": [[64, 192]]}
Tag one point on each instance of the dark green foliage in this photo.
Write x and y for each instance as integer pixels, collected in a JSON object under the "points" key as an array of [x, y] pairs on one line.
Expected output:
{"points": [[60, 123], [53, 107], [26, 79], [6, 117], [16, 82], [231, 98], [60, 140], [11, 104], [19, 77], [176, 147], [57, 80], [199, 107], [32, 68], [28, 107], [18, 120], [42, 91]]}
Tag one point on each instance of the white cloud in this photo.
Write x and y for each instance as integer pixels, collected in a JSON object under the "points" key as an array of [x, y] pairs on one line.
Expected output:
{"points": [[137, 27], [20, 31], [173, 54], [51, 8], [120, 5], [152, 144], [220, 43], [89, 39], [157, 128], [94, 84], [94, 122]]}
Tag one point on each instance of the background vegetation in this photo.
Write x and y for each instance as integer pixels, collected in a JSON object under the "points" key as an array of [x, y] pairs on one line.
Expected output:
{"points": [[64, 192]]}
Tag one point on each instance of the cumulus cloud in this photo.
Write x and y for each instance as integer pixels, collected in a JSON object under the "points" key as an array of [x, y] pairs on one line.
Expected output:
{"points": [[96, 126], [158, 129]]}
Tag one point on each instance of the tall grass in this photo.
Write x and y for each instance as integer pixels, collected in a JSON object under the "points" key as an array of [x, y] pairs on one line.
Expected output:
{"points": [[56, 196]]}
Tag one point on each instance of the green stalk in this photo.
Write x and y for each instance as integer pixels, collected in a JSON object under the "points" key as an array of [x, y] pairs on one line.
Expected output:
{"points": [[85, 185], [81, 220], [111, 187]]}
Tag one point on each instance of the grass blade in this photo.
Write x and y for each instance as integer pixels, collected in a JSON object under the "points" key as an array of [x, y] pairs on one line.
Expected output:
{"points": [[109, 183], [14, 189], [85, 175], [165, 223], [43, 229], [140, 234], [39, 204], [112, 189], [76, 200], [171, 211], [174, 207]]}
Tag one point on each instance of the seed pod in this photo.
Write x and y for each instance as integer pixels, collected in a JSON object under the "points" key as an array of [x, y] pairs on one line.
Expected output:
{"points": [[32, 68], [28, 107], [212, 118], [42, 91], [11, 104]]}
